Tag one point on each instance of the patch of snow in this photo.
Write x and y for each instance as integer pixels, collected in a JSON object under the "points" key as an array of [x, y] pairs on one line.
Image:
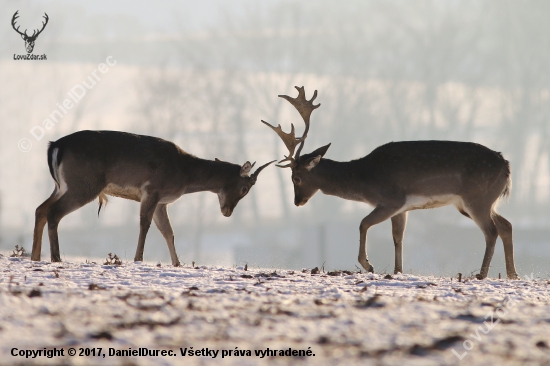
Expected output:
{"points": [[344, 319]]}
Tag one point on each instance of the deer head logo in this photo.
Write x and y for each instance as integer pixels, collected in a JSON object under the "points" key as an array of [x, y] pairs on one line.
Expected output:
{"points": [[29, 40]]}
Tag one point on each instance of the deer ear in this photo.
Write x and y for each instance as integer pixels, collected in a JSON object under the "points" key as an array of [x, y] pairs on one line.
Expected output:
{"points": [[217, 159], [312, 162], [320, 151], [245, 169], [23, 36]]}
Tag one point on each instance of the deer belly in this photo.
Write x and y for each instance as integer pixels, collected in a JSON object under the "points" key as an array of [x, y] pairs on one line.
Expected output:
{"points": [[131, 193], [414, 202]]}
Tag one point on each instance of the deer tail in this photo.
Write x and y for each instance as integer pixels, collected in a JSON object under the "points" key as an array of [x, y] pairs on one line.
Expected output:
{"points": [[508, 187], [103, 200], [54, 159]]}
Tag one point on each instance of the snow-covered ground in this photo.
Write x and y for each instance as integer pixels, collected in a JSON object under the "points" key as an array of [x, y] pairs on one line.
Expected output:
{"points": [[340, 318]]}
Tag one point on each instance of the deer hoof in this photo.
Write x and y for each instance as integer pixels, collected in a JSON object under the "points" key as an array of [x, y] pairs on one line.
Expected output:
{"points": [[54, 259], [479, 276], [366, 266], [513, 276]]}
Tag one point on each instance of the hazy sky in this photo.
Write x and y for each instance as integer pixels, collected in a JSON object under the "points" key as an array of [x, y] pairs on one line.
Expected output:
{"points": [[203, 74]]}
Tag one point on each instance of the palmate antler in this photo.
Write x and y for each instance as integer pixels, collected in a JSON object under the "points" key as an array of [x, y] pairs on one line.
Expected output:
{"points": [[305, 108], [290, 141]]}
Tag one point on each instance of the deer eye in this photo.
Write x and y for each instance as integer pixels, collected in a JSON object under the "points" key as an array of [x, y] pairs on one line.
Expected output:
{"points": [[297, 180], [244, 190]]}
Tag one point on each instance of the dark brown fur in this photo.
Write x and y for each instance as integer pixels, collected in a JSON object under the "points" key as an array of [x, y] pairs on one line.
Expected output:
{"points": [[392, 175], [90, 164]]}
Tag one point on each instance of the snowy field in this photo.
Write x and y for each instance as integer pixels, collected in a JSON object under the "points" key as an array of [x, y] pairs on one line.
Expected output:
{"points": [[328, 318]]}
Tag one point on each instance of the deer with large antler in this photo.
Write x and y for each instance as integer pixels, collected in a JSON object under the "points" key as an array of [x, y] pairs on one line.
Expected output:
{"points": [[402, 176], [93, 164], [29, 40]]}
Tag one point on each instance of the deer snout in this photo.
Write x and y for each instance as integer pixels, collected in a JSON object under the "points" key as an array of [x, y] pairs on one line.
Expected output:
{"points": [[227, 211], [300, 201]]}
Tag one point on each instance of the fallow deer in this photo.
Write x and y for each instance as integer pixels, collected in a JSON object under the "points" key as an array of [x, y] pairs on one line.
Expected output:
{"points": [[402, 176], [155, 172]]}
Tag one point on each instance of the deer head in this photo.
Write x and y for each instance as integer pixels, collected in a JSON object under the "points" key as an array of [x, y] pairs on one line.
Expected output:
{"points": [[29, 40], [304, 183], [238, 187]]}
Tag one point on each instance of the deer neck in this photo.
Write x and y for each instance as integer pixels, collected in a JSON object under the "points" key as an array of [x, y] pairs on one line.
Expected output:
{"points": [[342, 179], [208, 175]]}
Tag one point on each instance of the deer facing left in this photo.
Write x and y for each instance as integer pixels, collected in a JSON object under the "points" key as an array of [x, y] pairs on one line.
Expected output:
{"points": [[403, 176], [90, 164]]}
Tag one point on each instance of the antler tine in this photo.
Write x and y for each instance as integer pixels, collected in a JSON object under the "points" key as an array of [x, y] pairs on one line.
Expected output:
{"points": [[257, 172], [305, 108], [289, 165], [290, 141], [43, 24], [287, 158], [13, 19]]}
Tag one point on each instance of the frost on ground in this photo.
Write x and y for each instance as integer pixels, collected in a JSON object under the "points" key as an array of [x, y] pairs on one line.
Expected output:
{"points": [[343, 318]]}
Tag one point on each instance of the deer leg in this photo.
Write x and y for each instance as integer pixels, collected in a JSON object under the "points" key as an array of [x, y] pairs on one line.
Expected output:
{"points": [[41, 218], [379, 214], [489, 229], [504, 228], [66, 204], [163, 224], [147, 209], [398, 223]]}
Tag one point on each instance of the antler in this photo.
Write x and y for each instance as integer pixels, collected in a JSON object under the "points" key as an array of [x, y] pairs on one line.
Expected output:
{"points": [[290, 141], [304, 107], [257, 172], [15, 16], [35, 33], [43, 25]]}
